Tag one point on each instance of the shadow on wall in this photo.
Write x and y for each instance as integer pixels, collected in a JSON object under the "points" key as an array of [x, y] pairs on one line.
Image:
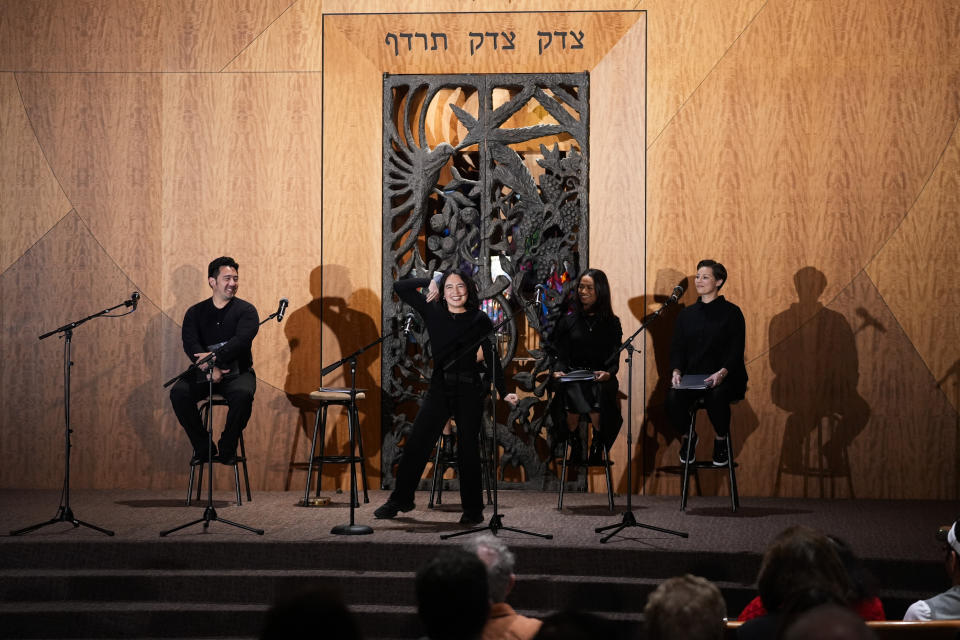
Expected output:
{"points": [[148, 405], [815, 364], [341, 311]]}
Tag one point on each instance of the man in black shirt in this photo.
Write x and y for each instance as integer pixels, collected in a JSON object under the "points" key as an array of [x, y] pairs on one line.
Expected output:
{"points": [[225, 325]]}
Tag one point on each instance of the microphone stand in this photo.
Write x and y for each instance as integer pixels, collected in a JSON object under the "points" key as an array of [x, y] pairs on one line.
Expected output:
{"points": [[209, 513], [628, 519], [496, 520], [64, 512], [353, 529]]}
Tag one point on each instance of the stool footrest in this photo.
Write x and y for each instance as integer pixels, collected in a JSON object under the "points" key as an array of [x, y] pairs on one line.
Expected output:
{"points": [[337, 459]]}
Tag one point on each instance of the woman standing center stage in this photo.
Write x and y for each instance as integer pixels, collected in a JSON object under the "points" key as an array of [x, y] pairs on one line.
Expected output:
{"points": [[454, 324], [586, 339]]}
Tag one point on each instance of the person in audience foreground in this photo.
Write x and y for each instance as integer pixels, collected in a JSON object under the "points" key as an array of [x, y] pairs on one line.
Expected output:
{"points": [[504, 623], [800, 569], [686, 607], [453, 599], [945, 606], [866, 603]]}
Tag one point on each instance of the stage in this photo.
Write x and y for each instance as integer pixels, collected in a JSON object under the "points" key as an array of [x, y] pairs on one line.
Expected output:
{"points": [[64, 582]]}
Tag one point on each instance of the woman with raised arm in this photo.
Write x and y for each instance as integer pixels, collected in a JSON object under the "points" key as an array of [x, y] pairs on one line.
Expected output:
{"points": [[454, 322]]}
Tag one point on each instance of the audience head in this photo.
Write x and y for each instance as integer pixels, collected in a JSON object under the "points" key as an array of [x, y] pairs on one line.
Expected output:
{"points": [[862, 582], [685, 607], [575, 625], [800, 558], [828, 622], [952, 560], [301, 614], [452, 595], [499, 561]]}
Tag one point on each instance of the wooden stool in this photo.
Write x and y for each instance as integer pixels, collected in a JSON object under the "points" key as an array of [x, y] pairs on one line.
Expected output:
{"points": [[220, 401], [345, 398]]}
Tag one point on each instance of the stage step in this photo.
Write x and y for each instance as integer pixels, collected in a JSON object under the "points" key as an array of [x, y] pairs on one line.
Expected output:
{"points": [[76, 588]]}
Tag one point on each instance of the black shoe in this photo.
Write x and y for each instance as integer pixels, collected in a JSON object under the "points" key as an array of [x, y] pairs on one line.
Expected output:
{"points": [[472, 517], [226, 458], [596, 454], [689, 454], [576, 449], [720, 457], [391, 508], [200, 458]]}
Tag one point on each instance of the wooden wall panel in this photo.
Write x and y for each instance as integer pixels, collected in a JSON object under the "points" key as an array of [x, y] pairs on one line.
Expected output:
{"points": [[32, 200], [617, 200], [80, 35], [66, 277], [782, 135], [909, 272], [207, 36], [101, 135]]}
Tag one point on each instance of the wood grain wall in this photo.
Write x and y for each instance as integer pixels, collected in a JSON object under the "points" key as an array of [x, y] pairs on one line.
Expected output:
{"points": [[812, 147]]}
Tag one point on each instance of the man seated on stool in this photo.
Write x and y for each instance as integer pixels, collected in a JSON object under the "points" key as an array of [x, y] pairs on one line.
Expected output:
{"points": [[708, 340], [226, 325]]}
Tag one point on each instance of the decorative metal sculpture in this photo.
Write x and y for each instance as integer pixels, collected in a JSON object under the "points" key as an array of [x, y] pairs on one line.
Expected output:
{"points": [[486, 173]]}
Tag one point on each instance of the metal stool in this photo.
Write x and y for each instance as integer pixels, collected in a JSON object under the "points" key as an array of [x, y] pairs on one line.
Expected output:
{"points": [[220, 401], [707, 464], [581, 426], [336, 397], [441, 463]]}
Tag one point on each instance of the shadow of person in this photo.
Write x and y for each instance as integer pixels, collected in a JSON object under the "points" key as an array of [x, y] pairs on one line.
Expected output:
{"points": [[303, 328], [816, 370], [342, 311], [148, 405]]}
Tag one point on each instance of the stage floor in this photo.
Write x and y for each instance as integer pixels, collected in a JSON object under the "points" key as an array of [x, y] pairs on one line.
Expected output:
{"points": [[891, 530]]}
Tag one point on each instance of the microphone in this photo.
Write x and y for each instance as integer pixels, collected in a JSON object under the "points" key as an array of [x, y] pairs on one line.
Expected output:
{"points": [[869, 320], [407, 322], [677, 292], [282, 309], [132, 302]]}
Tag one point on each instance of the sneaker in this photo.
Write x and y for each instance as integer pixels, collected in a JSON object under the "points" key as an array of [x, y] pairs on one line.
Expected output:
{"points": [[689, 454], [472, 517], [391, 508], [720, 458]]}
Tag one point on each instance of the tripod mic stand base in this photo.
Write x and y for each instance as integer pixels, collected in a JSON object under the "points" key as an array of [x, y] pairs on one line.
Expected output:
{"points": [[210, 515], [629, 520], [64, 514], [496, 524], [351, 530]]}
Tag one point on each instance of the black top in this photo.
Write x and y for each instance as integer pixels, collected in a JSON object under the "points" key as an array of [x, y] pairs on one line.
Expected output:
{"points": [[584, 341], [451, 333], [235, 325], [708, 337]]}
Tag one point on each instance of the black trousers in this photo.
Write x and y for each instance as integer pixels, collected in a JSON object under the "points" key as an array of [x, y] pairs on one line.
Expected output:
{"points": [[238, 392], [464, 401], [716, 401]]}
